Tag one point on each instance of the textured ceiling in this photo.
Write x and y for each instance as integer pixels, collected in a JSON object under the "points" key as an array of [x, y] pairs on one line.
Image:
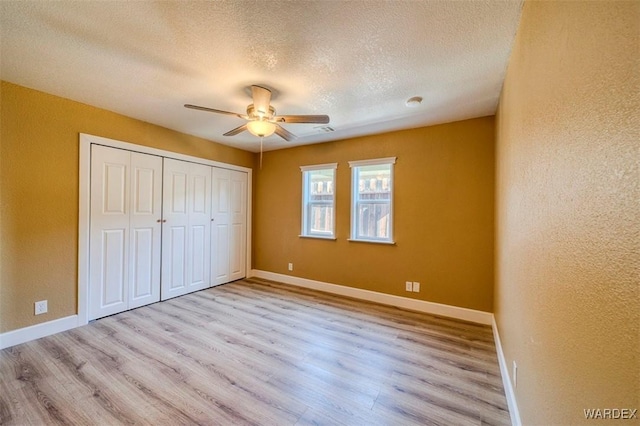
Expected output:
{"points": [[357, 61]]}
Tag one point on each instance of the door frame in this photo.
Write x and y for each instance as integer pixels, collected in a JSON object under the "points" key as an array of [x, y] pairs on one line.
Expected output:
{"points": [[84, 213]]}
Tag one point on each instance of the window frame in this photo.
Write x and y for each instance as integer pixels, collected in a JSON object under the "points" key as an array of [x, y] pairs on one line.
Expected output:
{"points": [[355, 201], [305, 230]]}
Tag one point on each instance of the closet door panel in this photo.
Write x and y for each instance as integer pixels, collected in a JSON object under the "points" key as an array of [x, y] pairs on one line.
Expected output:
{"points": [[221, 255], [220, 232], [145, 219], [113, 274], [186, 243], [237, 243], [228, 232], [142, 267], [175, 228], [199, 227], [236, 254], [198, 272], [109, 231], [177, 258]]}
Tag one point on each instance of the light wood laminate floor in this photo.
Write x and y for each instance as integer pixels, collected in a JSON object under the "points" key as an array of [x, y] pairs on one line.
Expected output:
{"points": [[262, 353]]}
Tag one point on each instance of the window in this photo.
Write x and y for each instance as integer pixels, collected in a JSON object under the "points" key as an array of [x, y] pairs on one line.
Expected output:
{"points": [[372, 200], [318, 200]]}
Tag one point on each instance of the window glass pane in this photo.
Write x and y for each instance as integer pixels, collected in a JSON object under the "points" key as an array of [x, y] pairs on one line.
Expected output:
{"points": [[320, 219], [372, 198], [318, 200], [374, 182], [320, 185], [373, 220]]}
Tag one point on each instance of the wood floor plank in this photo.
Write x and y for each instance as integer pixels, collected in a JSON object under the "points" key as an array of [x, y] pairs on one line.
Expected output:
{"points": [[257, 352]]}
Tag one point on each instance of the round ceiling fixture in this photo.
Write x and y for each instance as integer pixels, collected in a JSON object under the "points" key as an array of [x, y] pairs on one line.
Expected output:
{"points": [[261, 128], [414, 102]]}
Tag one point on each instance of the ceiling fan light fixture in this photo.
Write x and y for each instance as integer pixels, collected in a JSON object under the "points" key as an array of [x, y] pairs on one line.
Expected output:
{"points": [[261, 117], [261, 128]]}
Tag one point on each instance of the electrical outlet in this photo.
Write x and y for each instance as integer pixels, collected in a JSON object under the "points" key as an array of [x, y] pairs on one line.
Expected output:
{"points": [[515, 375], [416, 287], [408, 286], [41, 307], [291, 266]]}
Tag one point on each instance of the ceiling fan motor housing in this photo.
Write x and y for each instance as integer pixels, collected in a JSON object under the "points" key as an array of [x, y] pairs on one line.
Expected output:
{"points": [[253, 114]]}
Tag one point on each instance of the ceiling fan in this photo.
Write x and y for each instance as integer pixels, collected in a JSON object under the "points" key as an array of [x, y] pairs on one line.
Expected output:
{"points": [[261, 117]]}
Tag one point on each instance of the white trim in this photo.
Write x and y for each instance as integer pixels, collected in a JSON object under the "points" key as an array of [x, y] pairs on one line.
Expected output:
{"points": [[506, 380], [84, 213], [86, 138], [247, 266], [33, 332], [84, 209], [373, 162], [318, 237], [355, 190], [466, 314], [319, 167], [387, 242], [304, 216]]}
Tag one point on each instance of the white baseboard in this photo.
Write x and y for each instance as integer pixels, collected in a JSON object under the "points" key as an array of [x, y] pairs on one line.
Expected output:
{"points": [[386, 299], [26, 334], [506, 380]]}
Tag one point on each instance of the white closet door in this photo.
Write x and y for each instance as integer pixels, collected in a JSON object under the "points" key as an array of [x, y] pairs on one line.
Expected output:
{"points": [[186, 231], [237, 238], [124, 269], [145, 239], [199, 227], [175, 228], [109, 234], [229, 228], [220, 232]]}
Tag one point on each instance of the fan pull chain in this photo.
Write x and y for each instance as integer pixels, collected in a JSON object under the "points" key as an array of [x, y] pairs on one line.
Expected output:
{"points": [[261, 138]]}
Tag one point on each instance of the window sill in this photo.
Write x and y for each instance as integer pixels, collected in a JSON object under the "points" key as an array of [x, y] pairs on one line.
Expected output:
{"points": [[318, 237], [389, 243]]}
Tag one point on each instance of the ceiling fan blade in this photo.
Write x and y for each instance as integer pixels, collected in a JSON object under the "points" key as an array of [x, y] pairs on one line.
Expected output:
{"points": [[237, 130], [217, 111], [284, 133], [321, 119], [261, 99]]}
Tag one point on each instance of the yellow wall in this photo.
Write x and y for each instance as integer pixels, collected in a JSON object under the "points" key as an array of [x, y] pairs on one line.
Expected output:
{"points": [[444, 183], [1, 209], [567, 298], [39, 190]]}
